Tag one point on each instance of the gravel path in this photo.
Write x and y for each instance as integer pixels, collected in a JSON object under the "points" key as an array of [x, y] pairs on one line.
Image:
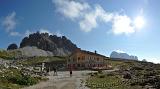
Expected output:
{"points": [[63, 81]]}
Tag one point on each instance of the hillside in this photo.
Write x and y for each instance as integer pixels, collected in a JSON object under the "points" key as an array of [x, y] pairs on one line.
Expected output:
{"points": [[30, 52], [41, 59], [7, 55], [127, 74]]}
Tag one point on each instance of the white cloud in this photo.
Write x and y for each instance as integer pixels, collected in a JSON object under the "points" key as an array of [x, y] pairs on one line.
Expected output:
{"points": [[89, 22], [122, 24], [69, 8], [59, 34], [120, 51], [28, 32], [45, 31], [82, 11], [42, 30], [15, 34], [88, 17], [10, 22]]}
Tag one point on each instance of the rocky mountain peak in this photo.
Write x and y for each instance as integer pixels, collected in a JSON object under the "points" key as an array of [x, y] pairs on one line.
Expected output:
{"points": [[60, 46]]}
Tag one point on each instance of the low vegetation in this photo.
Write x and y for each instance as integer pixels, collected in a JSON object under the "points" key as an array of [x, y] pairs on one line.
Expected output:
{"points": [[130, 75], [103, 81], [7, 55], [14, 79], [35, 60]]}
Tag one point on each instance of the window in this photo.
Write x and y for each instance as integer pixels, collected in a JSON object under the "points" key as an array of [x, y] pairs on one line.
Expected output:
{"points": [[79, 58], [83, 57], [97, 59]]}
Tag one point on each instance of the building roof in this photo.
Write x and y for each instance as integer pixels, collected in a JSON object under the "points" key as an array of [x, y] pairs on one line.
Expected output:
{"points": [[88, 52], [91, 53]]}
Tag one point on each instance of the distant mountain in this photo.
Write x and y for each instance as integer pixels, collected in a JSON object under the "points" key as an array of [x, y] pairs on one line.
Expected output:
{"points": [[121, 55], [59, 46]]}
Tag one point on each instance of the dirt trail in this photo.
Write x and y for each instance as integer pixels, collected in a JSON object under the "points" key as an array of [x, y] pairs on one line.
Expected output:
{"points": [[63, 81]]}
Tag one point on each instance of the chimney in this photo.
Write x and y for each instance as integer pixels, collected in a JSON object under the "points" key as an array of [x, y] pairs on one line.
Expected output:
{"points": [[95, 52]]}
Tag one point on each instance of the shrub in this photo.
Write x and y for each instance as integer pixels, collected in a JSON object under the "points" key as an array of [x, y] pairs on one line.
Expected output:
{"points": [[136, 68], [100, 71], [111, 74], [28, 80], [22, 80], [96, 73], [102, 76]]}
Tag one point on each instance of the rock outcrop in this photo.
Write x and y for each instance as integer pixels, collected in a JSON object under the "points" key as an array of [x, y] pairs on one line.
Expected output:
{"points": [[119, 55], [12, 46], [59, 46]]}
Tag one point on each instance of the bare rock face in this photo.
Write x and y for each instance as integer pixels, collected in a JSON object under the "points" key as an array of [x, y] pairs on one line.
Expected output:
{"points": [[59, 46]]}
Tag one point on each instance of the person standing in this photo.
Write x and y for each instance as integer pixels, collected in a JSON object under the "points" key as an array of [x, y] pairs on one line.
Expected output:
{"points": [[48, 70], [70, 72], [55, 71]]}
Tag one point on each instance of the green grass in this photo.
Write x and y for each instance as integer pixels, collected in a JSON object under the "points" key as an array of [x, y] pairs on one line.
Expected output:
{"points": [[7, 55], [108, 82], [9, 86], [124, 64], [140, 73], [104, 83]]}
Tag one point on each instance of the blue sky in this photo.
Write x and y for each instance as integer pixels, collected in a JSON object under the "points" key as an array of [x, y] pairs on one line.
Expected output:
{"points": [[131, 26]]}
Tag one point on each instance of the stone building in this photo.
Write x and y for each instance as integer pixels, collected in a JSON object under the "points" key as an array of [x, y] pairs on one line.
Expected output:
{"points": [[82, 59]]}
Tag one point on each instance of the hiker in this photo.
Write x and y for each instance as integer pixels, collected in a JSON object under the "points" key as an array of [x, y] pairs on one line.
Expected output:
{"points": [[70, 72], [55, 71], [47, 70]]}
